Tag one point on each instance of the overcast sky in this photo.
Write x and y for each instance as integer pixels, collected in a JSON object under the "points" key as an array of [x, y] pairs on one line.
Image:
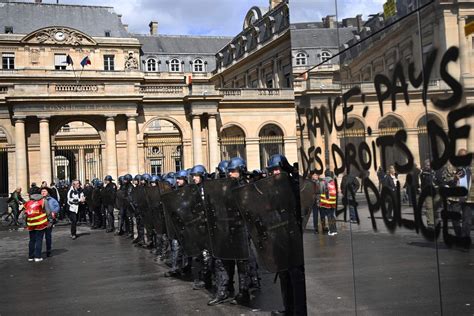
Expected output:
{"points": [[219, 17]]}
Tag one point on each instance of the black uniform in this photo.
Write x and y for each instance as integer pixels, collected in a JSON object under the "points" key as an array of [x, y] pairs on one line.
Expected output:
{"points": [[108, 202]]}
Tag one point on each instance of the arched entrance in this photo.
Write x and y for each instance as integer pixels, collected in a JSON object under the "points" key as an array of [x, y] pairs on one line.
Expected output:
{"points": [[424, 140], [354, 135], [390, 126], [233, 143], [271, 143], [77, 153], [3, 164], [163, 147]]}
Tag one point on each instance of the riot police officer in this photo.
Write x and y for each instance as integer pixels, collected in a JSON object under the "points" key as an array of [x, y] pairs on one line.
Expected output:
{"points": [[97, 209], [201, 269], [224, 286], [108, 200], [177, 256], [136, 198], [237, 169], [292, 281]]}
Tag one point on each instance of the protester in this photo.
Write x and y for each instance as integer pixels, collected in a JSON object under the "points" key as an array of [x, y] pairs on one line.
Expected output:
{"points": [[74, 198], [349, 187], [37, 222], [328, 200], [33, 189], [393, 185], [317, 211], [15, 202], [51, 207]]}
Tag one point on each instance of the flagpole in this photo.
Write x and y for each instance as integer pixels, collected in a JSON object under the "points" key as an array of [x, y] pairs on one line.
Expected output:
{"points": [[74, 72], [80, 74]]}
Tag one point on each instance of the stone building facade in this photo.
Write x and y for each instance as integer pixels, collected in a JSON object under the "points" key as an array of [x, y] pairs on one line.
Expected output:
{"points": [[140, 103]]}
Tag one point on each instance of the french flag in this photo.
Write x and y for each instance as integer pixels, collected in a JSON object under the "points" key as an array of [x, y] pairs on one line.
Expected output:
{"points": [[86, 61]]}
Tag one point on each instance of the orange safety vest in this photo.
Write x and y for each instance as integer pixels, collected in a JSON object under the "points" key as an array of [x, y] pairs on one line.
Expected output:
{"points": [[35, 215], [329, 201]]}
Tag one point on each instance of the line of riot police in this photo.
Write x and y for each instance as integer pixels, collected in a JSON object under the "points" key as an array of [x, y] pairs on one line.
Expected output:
{"points": [[208, 227]]}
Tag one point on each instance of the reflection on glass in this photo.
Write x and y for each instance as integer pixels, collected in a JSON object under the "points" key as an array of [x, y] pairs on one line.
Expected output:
{"points": [[385, 100]]}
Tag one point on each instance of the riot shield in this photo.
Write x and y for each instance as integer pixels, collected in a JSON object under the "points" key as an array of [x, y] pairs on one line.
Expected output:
{"points": [[164, 187], [140, 200], [268, 207], [184, 210], [307, 199], [227, 231], [153, 198], [120, 199]]}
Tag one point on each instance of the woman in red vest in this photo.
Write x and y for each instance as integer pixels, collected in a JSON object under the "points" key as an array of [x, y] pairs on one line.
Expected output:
{"points": [[37, 222]]}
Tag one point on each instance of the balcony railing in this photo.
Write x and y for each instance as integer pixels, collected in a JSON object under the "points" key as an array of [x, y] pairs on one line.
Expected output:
{"points": [[256, 93], [163, 89], [76, 88]]}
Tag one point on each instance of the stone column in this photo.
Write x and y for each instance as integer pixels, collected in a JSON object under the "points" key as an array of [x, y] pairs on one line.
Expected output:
{"points": [[259, 77], [45, 150], [252, 146], [276, 77], [81, 161], [96, 162], [213, 142], [464, 62], [463, 53], [21, 155], [111, 147], [291, 149], [197, 141], [132, 147]]}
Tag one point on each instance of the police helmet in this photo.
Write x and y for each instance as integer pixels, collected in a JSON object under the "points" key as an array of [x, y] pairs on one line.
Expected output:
{"points": [[237, 163], [222, 167], [128, 177], [154, 179], [93, 181], [108, 178], [138, 177], [182, 175], [120, 180], [170, 175], [278, 161], [146, 177], [171, 181], [99, 184], [198, 170]]}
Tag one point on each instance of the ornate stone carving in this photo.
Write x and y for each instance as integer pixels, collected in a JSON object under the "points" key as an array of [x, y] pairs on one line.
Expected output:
{"points": [[59, 36], [131, 63], [34, 55]]}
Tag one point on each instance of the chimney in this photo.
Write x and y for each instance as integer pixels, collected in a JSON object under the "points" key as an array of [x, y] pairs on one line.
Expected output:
{"points": [[125, 26], [359, 22], [274, 3], [153, 27], [329, 22], [38, 1]]}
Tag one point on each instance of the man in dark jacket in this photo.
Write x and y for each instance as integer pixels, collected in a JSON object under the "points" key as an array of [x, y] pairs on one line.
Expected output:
{"points": [[349, 186], [15, 201], [108, 200]]}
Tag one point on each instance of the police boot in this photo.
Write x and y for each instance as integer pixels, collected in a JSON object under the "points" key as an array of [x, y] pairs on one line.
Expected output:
{"points": [[219, 299], [243, 298]]}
